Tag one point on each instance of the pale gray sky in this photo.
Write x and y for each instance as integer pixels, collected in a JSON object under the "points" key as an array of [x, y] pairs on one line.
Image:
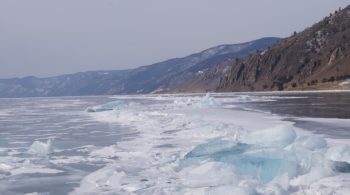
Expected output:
{"points": [[51, 37]]}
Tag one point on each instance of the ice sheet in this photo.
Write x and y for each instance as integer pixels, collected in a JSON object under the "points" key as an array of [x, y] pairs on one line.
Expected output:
{"points": [[180, 144]]}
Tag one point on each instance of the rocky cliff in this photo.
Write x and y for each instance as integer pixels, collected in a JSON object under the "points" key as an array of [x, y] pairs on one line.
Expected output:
{"points": [[316, 58]]}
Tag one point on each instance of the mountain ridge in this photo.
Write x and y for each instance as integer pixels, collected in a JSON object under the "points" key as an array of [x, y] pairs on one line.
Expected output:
{"points": [[158, 77]]}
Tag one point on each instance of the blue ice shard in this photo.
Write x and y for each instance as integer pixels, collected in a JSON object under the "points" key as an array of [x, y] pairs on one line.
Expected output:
{"points": [[261, 154], [115, 105]]}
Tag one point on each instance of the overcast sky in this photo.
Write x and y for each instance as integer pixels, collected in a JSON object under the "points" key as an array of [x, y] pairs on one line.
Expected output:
{"points": [[51, 37]]}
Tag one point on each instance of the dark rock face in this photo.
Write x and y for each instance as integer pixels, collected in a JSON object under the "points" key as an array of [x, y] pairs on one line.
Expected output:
{"points": [[205, 75], [160, 77], [317, 58]]}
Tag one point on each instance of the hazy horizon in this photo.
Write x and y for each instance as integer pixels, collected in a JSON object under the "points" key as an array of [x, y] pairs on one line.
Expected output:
{"points": [[42, 38]]}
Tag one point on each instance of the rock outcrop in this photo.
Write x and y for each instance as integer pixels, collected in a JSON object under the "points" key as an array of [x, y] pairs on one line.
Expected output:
{"points": [[316, 58]]}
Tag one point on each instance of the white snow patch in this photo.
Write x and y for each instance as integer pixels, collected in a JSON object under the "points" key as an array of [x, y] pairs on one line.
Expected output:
{"points": [[346, 82]]}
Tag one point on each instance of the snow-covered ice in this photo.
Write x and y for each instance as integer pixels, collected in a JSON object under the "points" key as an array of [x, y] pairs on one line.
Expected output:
{"points": [[180, 144]]}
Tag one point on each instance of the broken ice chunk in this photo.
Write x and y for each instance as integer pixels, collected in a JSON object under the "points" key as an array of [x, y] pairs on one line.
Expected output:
{"points": [[208, 174], [213, 146], [339, 153], [311, 142], [41, 148], [278, 136]]}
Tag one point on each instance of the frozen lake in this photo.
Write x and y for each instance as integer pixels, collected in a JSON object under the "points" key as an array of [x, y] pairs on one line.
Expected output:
{"points": [[245, 143]]}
